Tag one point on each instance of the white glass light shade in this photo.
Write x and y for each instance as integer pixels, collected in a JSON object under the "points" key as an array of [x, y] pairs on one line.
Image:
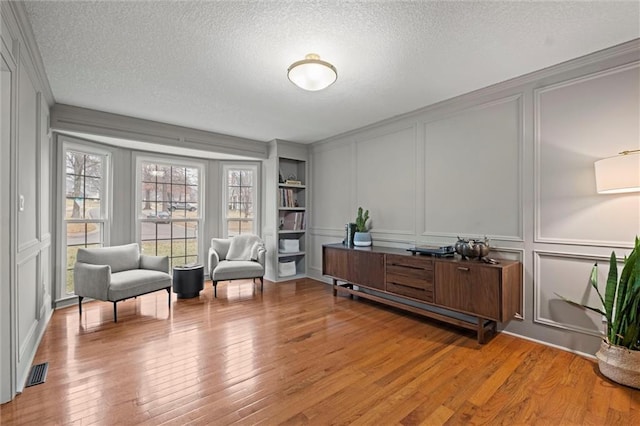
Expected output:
{"points": [[618, 174], [312, 74]]}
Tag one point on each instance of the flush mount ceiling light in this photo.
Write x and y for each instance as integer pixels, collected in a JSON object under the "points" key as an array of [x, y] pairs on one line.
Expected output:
{"points": [[311, 73], [618, 174]]}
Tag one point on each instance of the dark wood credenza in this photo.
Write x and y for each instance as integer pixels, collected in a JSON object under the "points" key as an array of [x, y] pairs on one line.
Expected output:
{"points": [[443, 288]]}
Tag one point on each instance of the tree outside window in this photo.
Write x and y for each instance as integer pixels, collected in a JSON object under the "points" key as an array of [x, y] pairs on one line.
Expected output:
{"points": [[240, 199], [169, 213], [84, 205]]}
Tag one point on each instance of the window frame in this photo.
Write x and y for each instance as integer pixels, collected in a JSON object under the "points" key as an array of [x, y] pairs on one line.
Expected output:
{"points": [[169, 161], [255, 167], [67, 143]]}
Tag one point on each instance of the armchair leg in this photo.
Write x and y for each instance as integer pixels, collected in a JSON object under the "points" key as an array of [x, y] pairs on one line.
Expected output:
{"points": [[80, 304], [261, 284], [115, 312], [169, 292], [215, 289]]}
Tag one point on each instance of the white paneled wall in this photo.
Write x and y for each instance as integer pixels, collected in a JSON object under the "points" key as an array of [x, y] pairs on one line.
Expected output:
{"points": [[25, 272], [513, 162], [580, 121], [475, 155], [386, 181]]}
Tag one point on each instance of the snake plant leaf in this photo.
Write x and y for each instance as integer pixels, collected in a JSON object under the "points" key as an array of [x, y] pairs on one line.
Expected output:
{"points": [[632, 327], [580, 305], [627, 294], [593, 280]]}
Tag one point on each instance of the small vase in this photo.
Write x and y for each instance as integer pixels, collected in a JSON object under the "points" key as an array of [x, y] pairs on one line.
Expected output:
{"points": [[362, 239]]}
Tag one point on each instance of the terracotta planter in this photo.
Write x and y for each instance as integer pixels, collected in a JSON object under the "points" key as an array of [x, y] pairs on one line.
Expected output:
{"points": [[619, 364]]}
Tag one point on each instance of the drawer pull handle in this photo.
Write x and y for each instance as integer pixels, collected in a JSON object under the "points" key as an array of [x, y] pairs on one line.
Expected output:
{"points": [[406, 266], [460, 268]]}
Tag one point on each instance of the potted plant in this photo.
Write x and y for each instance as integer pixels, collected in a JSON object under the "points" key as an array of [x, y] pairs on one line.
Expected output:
{"points": [[619, 353], [362, 237]]}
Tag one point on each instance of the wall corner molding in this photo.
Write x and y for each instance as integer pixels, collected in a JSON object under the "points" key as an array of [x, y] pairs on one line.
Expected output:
{"points": [[31, 48]]}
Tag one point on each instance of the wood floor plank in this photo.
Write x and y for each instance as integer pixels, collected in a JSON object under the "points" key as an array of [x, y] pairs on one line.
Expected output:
{"points": [[294, 355]]}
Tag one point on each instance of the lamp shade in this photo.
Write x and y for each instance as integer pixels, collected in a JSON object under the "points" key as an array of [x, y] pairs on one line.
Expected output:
{"points": [[618, 174], [311, 73]]}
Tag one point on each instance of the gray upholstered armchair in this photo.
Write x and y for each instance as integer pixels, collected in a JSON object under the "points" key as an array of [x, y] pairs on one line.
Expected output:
{"points": [[117, 273], [235, 258]]}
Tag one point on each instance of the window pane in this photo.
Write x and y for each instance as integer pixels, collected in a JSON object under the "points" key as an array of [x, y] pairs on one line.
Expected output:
{"points": [[92, 209], [169, 195], [240, 200], [84, 183], [74, 184], [93, 165], [79, 235]]}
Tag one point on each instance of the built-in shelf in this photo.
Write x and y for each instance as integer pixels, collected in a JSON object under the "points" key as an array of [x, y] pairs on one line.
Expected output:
{"points": [[285, 185], [293, 254], [291, 215]]}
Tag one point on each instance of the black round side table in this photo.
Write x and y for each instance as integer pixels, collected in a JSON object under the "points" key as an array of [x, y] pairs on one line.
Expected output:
{"points": [[188, 280]]}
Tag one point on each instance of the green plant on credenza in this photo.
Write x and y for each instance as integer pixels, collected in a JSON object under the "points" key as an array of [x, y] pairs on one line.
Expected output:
{"points": [[362, 237]]}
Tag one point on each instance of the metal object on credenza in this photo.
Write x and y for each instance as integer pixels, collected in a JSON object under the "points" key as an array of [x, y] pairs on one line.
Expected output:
{"points": [[444, 251], [472, 249]]}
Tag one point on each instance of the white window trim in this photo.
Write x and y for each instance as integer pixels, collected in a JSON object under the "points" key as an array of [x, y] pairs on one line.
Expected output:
{"points": [[170, 160], [67, 143], [257, 211]]}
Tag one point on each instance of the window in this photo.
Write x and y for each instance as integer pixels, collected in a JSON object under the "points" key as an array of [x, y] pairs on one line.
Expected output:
{"points": [[240, 199], [169, 213], [85, 204]]}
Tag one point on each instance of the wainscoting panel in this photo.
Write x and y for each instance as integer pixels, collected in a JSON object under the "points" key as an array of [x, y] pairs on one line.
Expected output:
{"points": [[567, 274], [332, 199], [386, 180], [473, 162], [44, 170], [44, 282], [27, 302], [578, 122], [27, 156]]}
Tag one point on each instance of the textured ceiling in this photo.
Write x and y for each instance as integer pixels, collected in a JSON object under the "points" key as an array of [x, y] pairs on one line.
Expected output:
{"points": [[221, 66]]}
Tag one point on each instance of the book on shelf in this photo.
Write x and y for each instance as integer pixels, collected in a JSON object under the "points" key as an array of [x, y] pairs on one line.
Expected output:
{"points": [[292, 221], [292, 182], [287, 198]]}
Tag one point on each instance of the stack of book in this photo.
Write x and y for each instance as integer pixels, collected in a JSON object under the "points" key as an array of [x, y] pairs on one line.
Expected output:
{"points": [[293, 221], [287, 198]]}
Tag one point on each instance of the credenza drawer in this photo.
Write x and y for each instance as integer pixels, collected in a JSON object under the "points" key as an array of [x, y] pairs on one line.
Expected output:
{"points": [[415, 262], [410, 276], [425, 293]]}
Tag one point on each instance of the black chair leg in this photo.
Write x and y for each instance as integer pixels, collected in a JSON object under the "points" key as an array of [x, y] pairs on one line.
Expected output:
{"points": [[215, 289], [80, 304], [261, 284], [115, 312], [169, 291]]}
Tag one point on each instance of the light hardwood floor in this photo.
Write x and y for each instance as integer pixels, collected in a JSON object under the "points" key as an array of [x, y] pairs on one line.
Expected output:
{"points": [[296, 355]]}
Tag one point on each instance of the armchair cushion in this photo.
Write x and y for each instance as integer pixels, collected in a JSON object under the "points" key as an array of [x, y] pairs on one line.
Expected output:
{"points": [[120, 258], [126, 284], [241, 247], [237, 269]]}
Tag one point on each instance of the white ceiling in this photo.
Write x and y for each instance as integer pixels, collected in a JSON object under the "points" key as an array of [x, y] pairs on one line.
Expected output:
{"points": [[221, 65]]}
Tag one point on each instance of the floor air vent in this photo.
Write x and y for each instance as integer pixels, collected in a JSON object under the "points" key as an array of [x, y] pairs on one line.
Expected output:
{"points": [[38, 374]]}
